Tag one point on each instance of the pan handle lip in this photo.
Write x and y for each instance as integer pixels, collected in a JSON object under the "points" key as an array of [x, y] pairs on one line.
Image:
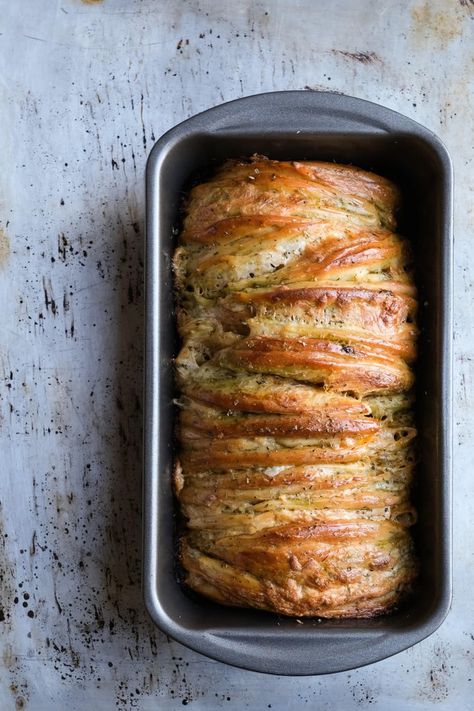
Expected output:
{"points": [[295, 655], [297, 112]]}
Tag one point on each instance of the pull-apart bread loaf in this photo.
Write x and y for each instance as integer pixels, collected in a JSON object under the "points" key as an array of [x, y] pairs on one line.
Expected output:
{"points": [[296, 312]]}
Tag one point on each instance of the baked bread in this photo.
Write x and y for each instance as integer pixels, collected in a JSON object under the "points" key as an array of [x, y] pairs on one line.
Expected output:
{"points": [[296, 311]]}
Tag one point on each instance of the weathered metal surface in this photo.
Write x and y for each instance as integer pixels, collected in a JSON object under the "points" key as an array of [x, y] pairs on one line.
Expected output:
{"points": [[85, 87]]}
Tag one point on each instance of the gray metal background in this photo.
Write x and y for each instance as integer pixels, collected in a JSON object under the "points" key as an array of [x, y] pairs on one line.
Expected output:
{"points": [[85, 88]]}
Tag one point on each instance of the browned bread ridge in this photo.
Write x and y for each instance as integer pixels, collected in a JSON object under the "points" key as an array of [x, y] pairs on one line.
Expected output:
{"points": [[296, 312]]}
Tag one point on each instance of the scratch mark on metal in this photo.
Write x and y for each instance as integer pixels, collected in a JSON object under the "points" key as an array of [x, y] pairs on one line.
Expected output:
{"points": [[362, 57], [143, 122], [49, 300], [37, 39]]}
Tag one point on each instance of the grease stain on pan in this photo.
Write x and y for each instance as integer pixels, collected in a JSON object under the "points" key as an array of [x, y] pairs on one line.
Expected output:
{"points": [[437, 21], [7, 587], [437, 687]]}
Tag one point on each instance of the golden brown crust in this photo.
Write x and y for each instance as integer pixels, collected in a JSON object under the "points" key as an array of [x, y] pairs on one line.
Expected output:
{"points": [[332, 364], [291, 189], [244, 392], [297, 311]]}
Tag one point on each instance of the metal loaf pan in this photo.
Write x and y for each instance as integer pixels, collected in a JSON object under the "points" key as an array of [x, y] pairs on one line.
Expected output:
{"points": [[303, 125]]}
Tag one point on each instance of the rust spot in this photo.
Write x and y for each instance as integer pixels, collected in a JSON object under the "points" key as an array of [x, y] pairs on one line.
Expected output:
{"points": [[362, 57], [437, 21], [4, 247]]}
